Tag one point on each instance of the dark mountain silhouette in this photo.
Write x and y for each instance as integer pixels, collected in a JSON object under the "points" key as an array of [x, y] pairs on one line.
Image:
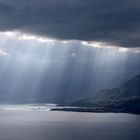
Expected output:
{"points": [[131, 88], [125, 98]]}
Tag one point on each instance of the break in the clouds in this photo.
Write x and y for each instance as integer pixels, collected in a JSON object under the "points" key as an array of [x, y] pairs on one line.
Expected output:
{"points": [[115, 22]]}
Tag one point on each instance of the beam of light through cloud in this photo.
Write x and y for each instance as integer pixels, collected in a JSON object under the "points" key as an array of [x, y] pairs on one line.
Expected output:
{"points": [[23, 36], [3, 53], [36, 65], [123, 50], [99, 45], [104, 45]]}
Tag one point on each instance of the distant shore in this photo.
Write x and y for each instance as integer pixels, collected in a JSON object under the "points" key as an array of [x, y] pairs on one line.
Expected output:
{"points": [[93, 110]]}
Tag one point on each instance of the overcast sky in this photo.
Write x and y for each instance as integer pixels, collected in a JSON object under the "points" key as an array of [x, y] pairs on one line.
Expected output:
{"points": [[115, 22]]}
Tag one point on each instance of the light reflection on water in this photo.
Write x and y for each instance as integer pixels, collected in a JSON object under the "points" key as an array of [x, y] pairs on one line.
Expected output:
{"points": [[28, 107]]}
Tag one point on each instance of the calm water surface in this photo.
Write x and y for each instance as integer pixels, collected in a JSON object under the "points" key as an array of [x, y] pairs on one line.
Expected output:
{"points": [[38, 123]]}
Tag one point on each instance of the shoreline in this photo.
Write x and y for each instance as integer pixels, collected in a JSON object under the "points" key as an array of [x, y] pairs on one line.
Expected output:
{"points": [[92, 110]]}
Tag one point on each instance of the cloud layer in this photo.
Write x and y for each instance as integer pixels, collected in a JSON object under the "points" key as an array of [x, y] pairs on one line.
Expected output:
{"points": [[116, 22]]}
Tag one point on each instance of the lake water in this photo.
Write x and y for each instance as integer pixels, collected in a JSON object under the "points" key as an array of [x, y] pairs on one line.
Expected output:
{"points": [[28, 122]]}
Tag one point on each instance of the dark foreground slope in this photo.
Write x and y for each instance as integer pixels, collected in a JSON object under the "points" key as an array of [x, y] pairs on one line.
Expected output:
{"points": [[127, 105], [125, 98]]}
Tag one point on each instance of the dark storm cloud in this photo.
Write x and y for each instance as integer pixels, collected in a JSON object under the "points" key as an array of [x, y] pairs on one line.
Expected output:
{"points": [[116, 22]]}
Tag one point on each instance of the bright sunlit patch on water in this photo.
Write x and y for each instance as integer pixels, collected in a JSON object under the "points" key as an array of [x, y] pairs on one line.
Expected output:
{"points": [[28, 107]]}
